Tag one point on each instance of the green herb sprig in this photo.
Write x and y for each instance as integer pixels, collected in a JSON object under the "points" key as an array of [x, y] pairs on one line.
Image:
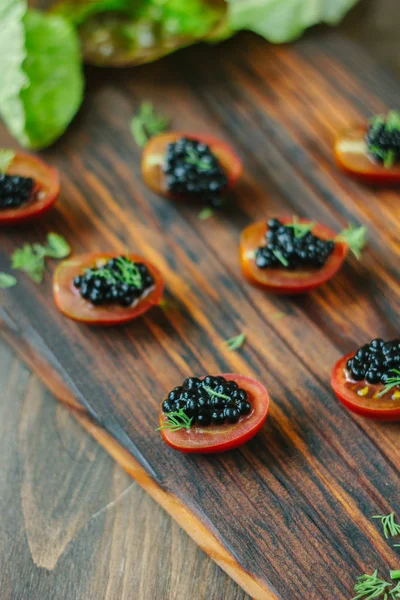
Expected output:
{"points": [[391, 382], [389, 525], [176, 421], [128, 273], [31, 257], [355, 238], [301, 229], [206, 213], [236, 342], [280, 257], [371, 586], [147, 123], [6, 158], [7, 281], [212, 392], [193, 159]]}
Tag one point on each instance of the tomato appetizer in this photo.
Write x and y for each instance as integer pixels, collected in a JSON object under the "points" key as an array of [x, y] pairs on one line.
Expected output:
{"points": [[213, 413], [368, 381], [372, 152], [28, 188], [293, 256], [196, 167], [101, 289]]}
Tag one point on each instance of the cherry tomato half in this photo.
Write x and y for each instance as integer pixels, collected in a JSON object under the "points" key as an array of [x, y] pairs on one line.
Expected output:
{"points": [[361, 397], [220, 438], [69, 301], [154, 152], [351, 154], [45, 192], [285, 281]]}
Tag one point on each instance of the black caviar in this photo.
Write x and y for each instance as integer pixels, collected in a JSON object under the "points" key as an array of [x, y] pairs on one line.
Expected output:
{"points": [[119, 281], [15, 191], [374, 362], [211, 401], [192, 169], [292, 247], [383, 138]]}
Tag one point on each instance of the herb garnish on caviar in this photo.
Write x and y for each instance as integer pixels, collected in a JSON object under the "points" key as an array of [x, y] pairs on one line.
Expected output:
{"points": [[28, 187], [213, 413], [195, 167], [104, 289], [292, 256], [368, 381], [372, 152]]}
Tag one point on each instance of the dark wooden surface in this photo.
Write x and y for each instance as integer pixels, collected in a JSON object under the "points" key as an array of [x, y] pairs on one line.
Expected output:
{"points": [[345, 462]]}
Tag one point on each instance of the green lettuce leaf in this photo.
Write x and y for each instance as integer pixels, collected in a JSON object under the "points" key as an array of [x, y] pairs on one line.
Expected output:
{"points": [[40, 74], [284, 20]]}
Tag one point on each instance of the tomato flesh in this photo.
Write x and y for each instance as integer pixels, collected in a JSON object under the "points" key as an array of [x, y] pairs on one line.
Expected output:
{"points": [[220, 438], [285, 281], [351, 154], [385, 408], [155, 150], [45, 192], [69, 301]]}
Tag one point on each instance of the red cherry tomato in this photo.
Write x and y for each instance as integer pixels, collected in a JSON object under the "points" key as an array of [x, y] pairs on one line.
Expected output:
{"points": [[285, 281], [351, 154], [69, 301], [366, 403], [154, 152], [220, 438], [45, 192]]}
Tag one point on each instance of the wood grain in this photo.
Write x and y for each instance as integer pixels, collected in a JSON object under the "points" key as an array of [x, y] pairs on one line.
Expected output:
{"points": [[297, 499]]}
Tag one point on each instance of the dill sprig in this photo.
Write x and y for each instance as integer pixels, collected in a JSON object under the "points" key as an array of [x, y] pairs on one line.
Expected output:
{"points": [[390, 527], [193, 159], [147, 123], [395, 592], [236, 342], [177, 420], [301, 229], [355, 238], [128, 273], [211, 392], [280, 257], [391, 382], [371, 586]]}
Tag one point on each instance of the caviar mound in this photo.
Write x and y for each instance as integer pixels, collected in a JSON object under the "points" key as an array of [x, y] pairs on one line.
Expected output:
{"points": [[44, 192], [118, 281], [362, 397], [283, 280], [374, 362], [15, 191], [352, 156], [154, 162], [284, 248], [69, 301], [212, 437]]}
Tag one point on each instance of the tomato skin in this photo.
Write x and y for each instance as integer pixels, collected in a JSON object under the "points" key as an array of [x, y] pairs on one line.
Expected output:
{"points": [[282, 281], [378, 409], [230, 436], [153, 175], [72, 305], [359, 164], [46, 181]]}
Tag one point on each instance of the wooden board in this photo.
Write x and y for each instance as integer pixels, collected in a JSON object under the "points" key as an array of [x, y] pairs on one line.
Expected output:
{"points": [[287, 516]]}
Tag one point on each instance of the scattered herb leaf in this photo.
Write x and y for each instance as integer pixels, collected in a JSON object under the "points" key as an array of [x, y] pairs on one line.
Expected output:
{"points": [[147, 123], [355, 238], [206, 213], [370, 586], [276, 316], [29, 259], [176, 421], [280, 257], [7, 281], [301, 229], [211, 392], [6, 158], [390, 527], [57, 246], [391, 382], [236, 342]]}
